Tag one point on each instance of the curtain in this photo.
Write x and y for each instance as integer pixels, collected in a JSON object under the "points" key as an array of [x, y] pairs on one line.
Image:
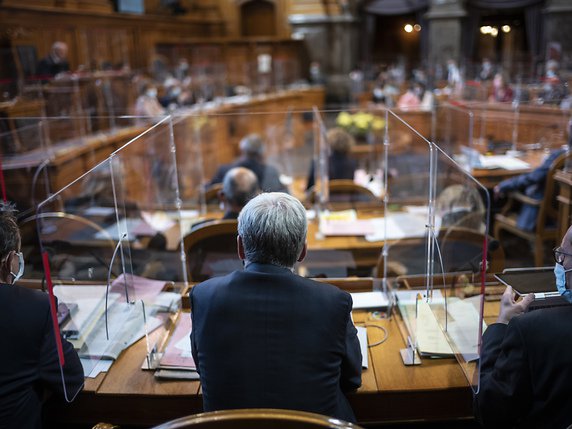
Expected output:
{"points": [[534, 31]]}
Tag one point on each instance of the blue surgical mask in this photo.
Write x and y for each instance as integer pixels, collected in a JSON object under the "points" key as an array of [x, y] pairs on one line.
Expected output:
{"points": [[17, 276], [560, 274]]}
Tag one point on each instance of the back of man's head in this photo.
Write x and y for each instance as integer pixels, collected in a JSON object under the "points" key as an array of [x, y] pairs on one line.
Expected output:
{"points": [[272, 227], [252, 146], [239, 186], [9, 232]]}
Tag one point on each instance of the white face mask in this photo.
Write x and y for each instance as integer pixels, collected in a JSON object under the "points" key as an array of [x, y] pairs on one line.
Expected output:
{"points": [[152, 92], [17, 276]]}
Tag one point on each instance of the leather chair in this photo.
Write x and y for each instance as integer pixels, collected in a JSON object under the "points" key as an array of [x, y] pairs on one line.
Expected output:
{"points": [[346, 193], [211, 250], [258, 418]]}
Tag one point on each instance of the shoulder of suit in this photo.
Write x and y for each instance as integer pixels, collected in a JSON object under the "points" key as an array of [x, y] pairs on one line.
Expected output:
{"points": [[33, 299], [326, 287], [538, 319]]}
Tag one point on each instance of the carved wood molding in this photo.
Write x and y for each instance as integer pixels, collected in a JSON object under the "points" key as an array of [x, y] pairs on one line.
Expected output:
{"points": [[16, 32]]}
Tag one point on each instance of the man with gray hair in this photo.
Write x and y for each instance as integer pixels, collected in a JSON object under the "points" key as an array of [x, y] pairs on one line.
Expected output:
{"points": [[56, 61], [266, 337], [252, 157], [238, 188]]}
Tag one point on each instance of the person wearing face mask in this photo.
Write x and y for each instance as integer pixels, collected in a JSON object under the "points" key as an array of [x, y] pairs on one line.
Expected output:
{"points": [[147, 107], [526, 374], [29, 363]]}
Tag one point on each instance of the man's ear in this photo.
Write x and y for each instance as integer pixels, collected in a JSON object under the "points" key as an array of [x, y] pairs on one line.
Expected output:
{"points": [[303, 252], [240, 248]]}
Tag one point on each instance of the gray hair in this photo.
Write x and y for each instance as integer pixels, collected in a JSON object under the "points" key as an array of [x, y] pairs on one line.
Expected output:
{"points": [[252, 145], [239, 186], [273, 229], [9, 232]]}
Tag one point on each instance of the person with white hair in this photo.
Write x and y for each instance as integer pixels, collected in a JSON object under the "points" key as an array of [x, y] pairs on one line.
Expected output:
{"points": [[264, 337], [55, 62], [252, 157]]}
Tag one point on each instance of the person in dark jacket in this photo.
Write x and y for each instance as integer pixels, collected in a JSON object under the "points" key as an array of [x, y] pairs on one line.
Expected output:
{"points": [[532, 184], [252, 157], [266, 337], [30, 362], [55, 63], [340, 163], [526, 374]]}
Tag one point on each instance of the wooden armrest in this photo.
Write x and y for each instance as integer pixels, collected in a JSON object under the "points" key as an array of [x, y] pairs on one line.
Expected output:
{"points": [[524, 199]]}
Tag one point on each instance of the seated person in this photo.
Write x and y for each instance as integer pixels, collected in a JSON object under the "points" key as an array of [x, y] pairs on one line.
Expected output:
{"points": [[266, 337], [341, 164], [56, 61], [411, 99], [147, 105], [30, 359], [525, 360], [502, 92], [532, 185], [238, 188], [252, 150]]}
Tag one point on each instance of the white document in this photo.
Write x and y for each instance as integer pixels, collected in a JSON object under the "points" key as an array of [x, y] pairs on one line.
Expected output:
{"points": [[99, 211], [374, 299], [503, 161], [92, 368], [362, 337], [463, 326], [397, 226]]}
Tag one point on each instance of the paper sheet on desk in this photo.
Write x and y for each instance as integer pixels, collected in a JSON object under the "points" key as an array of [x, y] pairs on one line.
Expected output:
{"points": [[91, 371], [347, 227], [463, 326], [502, 161], [399, 226], [362, 338], [363, 300]]}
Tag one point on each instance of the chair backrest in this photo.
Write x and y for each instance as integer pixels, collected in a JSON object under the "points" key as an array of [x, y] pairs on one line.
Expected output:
{"points": [[548, 210], [258, 418], [345, 192], [211, 250], [78, 247], [211, 193]]}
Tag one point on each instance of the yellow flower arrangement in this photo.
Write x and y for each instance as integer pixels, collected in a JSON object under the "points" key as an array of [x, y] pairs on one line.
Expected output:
{"points": [[360, 123]]}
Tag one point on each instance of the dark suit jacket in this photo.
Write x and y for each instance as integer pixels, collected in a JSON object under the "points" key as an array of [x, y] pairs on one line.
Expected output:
{"points": [[526, 371], [48, 68], [267, 175], [341, 166], [532, 184], [267, 338], [29, 360]]}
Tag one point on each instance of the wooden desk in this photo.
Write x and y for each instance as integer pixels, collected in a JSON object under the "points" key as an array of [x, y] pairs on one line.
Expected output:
{"points": [[390, 391], [489, 178]]}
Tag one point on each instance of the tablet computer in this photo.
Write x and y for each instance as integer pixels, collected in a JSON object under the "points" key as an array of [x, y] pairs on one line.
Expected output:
{"points": [[538, 281]]}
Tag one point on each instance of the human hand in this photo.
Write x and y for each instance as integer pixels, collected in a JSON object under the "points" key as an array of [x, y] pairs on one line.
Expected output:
{"points": [[510, 308], [497, 193]]}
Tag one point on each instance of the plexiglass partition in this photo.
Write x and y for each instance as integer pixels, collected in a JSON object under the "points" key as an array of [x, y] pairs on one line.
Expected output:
{"points": [[458, 244], [103, 237], [42, 154], [452, 128]]}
